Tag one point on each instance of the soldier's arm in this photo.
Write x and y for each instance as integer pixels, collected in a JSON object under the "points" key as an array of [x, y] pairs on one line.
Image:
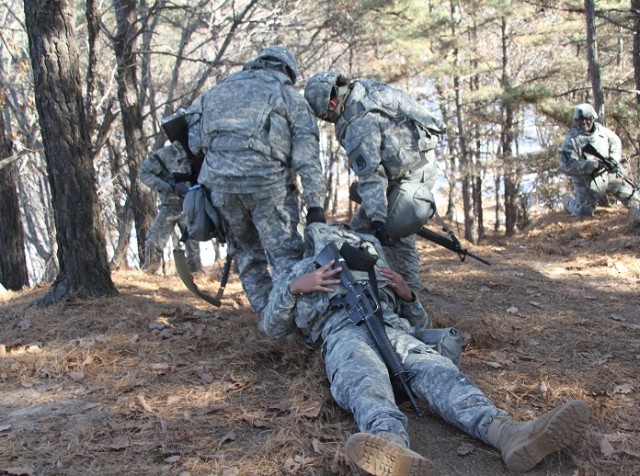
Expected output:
{"points": [[615, 146], [150, 172], [408, 304], [305, 150], [362, 143], [278, 317], [571, 160]]}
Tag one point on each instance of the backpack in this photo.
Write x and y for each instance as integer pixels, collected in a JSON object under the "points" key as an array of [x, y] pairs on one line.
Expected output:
{"points": [[202, 220], [241, 113]]}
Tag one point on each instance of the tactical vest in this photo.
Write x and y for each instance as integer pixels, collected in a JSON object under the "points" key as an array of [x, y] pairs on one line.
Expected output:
{"points": [[410, 136], [241, 113], [318, 235]]}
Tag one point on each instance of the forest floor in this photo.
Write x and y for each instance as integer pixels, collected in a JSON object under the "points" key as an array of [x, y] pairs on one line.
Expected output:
{"points": [[157, 382]]}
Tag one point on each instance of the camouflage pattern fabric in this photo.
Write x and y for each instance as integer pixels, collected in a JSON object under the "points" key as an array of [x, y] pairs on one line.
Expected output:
{"points": [[360, 382], [261, 154], [589, 188], [154, 176], [384, 146], [403, 256], [262, 229], [168, 217], [258, 133]]}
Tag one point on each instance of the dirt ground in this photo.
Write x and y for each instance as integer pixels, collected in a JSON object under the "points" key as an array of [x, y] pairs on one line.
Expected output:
{"points": [[158, 382]]}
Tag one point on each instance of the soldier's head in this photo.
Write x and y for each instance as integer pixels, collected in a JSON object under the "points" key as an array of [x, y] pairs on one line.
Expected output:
{"points": [[278, 58], [584, 115], [326, 92]]}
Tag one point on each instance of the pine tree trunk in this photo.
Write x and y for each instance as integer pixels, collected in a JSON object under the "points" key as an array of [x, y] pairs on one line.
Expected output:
{"points": [[84, 270], [142, 201], [13, 262]]}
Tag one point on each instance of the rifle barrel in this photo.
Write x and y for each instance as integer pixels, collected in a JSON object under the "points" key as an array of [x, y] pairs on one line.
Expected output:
{"points": [[449, 244]]}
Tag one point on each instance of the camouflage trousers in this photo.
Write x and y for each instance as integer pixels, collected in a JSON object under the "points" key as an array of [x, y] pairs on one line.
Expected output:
{"points": [[169, 215], [263, 233], [360, 383], [588, 192]]}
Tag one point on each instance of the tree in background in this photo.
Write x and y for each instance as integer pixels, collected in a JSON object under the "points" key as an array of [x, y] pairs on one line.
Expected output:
{"points": [[13, 261], [82, 253]]}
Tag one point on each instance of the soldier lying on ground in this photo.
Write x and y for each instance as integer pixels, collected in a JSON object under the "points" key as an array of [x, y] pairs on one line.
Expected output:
{"points": [[309, 299]]}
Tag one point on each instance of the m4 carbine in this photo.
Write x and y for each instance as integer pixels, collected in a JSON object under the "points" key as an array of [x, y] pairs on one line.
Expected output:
{"points": [[362, 304], [609, 163]]}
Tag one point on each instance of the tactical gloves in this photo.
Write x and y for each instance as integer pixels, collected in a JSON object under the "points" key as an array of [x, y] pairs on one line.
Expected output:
{"points": [[315, 215], [380, 232], [611, 165]]}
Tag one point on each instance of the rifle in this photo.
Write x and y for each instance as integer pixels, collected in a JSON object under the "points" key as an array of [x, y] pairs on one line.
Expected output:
{"points": [[362, 305], [609, 163], [187, 278], [452, 244]]}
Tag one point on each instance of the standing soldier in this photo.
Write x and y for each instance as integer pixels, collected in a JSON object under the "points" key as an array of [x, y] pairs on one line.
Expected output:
{"points": [[257, 132], [593, 178], [157, 173], [390, 142]]}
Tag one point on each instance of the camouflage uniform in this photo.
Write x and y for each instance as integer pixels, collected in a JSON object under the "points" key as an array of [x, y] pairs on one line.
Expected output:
{"points": [[257, 133], [590, 182], [390, 142], [154, 176], [359, 379]]}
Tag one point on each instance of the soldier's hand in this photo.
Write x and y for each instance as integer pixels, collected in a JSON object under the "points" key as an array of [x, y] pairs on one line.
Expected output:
{"points": [[398, 284], [315, 215], [380, 232], [612, 165], [321, 280]]}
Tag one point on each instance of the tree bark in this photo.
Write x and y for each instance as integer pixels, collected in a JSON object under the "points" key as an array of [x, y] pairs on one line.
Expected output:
{"points": [[592, 57], [14, 274], [142, 200], [464, 157], [511, 179], [635, 13], [84, 270]]}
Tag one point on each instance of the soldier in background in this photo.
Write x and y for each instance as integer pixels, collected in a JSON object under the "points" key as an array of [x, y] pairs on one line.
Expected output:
{"points": [[157, 173], [307, 301], [593, 178], [257, 134], [390, 142]]}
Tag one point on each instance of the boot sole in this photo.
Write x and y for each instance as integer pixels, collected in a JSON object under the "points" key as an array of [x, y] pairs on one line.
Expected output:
{"points": [[563, 430], [379, 457]]}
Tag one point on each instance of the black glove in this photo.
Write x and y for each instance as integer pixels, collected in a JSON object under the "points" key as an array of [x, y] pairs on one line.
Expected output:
{"points": [[315, 215], [181, 189], [354, 196], [611, 165], [382, 235]]}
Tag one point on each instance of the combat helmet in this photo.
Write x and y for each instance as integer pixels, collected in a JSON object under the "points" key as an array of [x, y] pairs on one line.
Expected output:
{"points": [[280, 55], [584, 111], [319, 88]]}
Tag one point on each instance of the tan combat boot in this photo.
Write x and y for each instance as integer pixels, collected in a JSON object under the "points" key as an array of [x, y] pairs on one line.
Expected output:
{"points": [[386, 454], [523, 445]]}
